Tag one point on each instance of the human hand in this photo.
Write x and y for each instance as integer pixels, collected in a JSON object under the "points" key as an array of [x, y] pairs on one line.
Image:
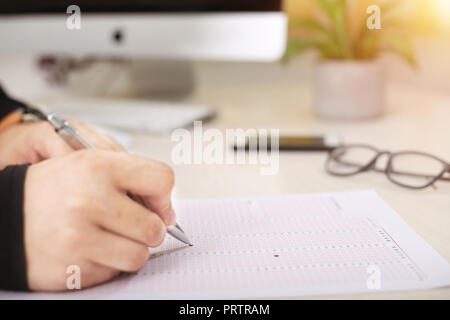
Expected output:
{"points": [[37, 141], [77, 212]]}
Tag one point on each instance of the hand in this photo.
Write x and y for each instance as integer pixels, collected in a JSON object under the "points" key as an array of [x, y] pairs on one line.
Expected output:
{"points": [[37, 141], [77, 212]]}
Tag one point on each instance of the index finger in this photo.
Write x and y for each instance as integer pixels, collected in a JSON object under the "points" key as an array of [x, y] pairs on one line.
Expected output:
{"points": [[149, 179]]}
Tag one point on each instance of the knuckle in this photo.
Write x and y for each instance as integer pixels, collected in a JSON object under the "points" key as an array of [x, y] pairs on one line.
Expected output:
{"points": [[72, 238], [87, 160], [168, 174], [82, 206], [77, 206]]}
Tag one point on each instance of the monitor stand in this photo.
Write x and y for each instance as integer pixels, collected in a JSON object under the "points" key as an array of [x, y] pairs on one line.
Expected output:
{"points": [[162, 79], [150, 79]]}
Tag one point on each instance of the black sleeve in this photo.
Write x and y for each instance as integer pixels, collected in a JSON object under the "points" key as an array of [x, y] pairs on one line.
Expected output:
{"points": [[13, 271], [8, 104], [12, 250]]}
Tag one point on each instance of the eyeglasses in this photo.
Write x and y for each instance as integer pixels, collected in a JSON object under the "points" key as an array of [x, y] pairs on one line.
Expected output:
{"points": [[410, 169]]}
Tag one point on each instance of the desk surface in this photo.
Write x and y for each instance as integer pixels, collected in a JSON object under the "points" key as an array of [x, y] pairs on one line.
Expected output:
{"points": [[413, 119]]}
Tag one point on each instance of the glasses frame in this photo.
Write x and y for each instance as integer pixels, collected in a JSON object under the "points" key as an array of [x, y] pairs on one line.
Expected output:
{"points": [[371, 165]]}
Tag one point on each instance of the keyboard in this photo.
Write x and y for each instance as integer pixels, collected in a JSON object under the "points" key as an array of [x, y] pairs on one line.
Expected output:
{"points": [[132, 115]]}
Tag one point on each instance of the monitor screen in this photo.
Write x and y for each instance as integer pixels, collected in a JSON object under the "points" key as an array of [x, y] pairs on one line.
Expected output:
{"points": [[135, 6], [253, 30]]}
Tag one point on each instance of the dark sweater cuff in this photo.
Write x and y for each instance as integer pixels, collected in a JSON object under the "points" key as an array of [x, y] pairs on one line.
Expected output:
{"points": [[13, 271], [8, 104]]}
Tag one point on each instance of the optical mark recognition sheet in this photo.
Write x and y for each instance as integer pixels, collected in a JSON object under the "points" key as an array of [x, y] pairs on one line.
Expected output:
{"points": [[284, 246]]}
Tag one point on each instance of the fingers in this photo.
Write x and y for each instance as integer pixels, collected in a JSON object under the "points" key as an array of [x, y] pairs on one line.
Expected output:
{"points": [[129, 219], [51, 144], [149, 179], [96, 138], [116, 252]]}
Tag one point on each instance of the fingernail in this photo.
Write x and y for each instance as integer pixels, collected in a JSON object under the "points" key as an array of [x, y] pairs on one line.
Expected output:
{"points": [[170, 220]]}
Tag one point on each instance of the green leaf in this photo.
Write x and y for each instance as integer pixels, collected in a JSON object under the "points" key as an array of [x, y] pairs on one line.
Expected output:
{"points": [[325, 47], [308, 24], [329, 6], [336, 10], [298, 46], [342, 30], [323, 40], [368, 46], [376, 43]]}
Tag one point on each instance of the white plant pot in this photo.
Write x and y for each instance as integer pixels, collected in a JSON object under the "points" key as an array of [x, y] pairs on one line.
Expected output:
{"points": [[348, 90]]}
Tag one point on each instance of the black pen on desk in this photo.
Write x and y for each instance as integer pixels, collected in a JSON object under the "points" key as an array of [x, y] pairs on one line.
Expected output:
{"points": [[76, 141], [312, 143]]}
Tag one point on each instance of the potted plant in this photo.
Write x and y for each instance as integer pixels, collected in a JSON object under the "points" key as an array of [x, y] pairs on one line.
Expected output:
{"points": [[349, 82]]}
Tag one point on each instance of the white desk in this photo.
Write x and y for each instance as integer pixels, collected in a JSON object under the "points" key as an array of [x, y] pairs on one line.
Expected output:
{"points": [[414, 119]]}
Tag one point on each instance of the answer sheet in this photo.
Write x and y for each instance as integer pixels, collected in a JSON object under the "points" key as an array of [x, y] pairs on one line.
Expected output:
{"points": [[284, 246]]}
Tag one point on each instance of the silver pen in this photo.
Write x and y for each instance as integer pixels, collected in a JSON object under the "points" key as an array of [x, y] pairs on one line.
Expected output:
{"points": [[76, 141]]}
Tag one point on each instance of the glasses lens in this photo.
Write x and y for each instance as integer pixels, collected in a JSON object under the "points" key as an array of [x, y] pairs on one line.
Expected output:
{"points": [[414, 170], [350, 160]]}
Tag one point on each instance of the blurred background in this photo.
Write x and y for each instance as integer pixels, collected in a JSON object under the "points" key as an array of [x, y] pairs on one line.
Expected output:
{"points": [[426, 21]]}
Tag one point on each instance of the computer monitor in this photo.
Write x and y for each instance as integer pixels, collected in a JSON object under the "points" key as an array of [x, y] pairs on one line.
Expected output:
{"points": [[243, 30]]}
